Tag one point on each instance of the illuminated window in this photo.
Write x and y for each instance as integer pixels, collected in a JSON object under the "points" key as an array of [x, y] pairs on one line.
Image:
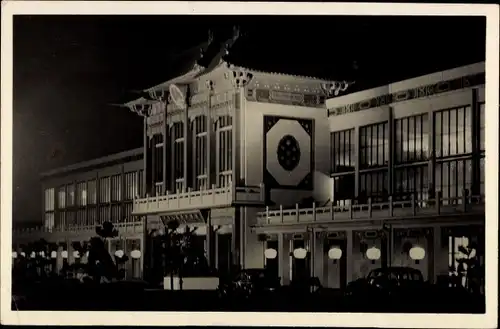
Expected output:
{"points": [[411, 180], [158, 165], [70, 195], [373, 184], [200, 136], [49, 199], [105, 190], [61, 197], [374, 145], [131, 185], [452, 178], [453, 131], [81, 194], [91, 192], [177, 136], [116, 188], [412, 139], [224, 144], [343, 151]]}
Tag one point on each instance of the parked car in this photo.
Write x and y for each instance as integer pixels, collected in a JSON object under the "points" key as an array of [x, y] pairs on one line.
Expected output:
{"points": [[391, 284], [248, 283]]}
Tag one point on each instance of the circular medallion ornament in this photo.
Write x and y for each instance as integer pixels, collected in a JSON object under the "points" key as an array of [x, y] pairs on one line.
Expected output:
{"points": [[288, 152]]}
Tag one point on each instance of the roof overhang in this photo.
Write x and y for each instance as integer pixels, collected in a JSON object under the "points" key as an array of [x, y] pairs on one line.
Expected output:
{"points": [[139, 105], [188, 77]]}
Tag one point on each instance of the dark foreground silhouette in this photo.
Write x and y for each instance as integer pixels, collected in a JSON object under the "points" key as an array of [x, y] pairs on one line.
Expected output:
{"points": [[137, 296]]}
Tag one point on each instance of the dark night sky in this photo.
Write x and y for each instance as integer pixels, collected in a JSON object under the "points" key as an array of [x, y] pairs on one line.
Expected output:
{"points": [[68, 69]]}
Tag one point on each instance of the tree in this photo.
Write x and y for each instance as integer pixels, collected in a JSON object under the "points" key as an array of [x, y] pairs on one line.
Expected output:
{"points": [[469, 267], [180, 254], [100, 263]]}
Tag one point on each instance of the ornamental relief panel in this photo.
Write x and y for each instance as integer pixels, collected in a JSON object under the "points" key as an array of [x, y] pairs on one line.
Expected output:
{"points": [[285, 97]]}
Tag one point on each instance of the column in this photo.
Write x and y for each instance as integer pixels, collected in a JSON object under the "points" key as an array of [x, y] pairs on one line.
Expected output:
{"points": [[312, 253], [281, 257], [209, 140], [187, 143], [356, 159], [143, 242], [476, 122], [210, 241], [145, 184], [431, 176], [235, 237], [390, 165], [349, 256], [435, 258]]}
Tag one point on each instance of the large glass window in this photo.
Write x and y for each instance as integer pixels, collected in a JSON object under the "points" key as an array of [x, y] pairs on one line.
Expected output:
{"points": [[453, 131], [104, 214], [91, 192], [373, 184], [61, 219], [70, 192], [81, 194], [49, 221], [70, 218], [343, 151], [131, 188], [116, 214], [374, 145], [116, 188], [92, 216], [452, 178], [177, 134], [61, 197], [49, 199], [411, 180], [412, 139], [105, 190], [200, 136], [225, 147], [158, 158], [343, 189], [81, 219]]}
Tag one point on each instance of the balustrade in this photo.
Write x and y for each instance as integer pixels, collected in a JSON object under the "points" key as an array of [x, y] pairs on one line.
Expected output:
{"points": [[212, 198], [374, 211]]}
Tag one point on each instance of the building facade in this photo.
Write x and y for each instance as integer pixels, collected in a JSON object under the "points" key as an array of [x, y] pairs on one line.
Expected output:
{"points": [[80, 197], [279, 171], [405, 186]]}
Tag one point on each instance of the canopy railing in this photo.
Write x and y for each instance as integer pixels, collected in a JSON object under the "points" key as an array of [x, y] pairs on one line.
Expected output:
{"points": [[380, 210]]}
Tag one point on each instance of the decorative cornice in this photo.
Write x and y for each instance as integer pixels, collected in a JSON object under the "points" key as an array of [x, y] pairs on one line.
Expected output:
{"points": [[409, 94], [239, 77], [336, 87]]}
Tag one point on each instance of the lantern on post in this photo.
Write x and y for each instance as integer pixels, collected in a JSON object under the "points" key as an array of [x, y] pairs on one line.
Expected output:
{"points": [[53, 254], [119, 253], [335, 253], [64, 254], [300, 253], [135, 254], [417, 254], [373, 254], [270, 253]]}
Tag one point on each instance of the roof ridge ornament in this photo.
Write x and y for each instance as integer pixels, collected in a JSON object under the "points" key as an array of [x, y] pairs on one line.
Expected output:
{"points": [[336, 87]]}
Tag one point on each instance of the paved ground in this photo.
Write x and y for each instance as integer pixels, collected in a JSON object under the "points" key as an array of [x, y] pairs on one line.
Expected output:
{"points": [[139, 299]]}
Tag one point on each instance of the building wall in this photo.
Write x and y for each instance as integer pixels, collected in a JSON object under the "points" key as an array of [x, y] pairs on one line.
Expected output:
{"points": [[252, 167], [254, 148]]}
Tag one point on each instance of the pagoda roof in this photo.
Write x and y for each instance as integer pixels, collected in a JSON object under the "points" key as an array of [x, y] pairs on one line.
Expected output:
{"points": [[241, 54]]}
